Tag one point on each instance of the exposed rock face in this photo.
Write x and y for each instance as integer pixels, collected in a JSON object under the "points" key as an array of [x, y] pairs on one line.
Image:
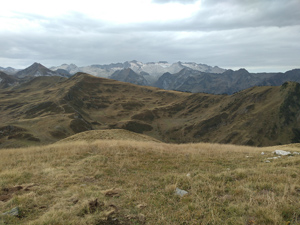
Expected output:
{"points": [[63, 72], [128, 75]]}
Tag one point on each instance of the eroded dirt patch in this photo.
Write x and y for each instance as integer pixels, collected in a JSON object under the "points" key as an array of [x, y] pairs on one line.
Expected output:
{"points": [[8, 192]]}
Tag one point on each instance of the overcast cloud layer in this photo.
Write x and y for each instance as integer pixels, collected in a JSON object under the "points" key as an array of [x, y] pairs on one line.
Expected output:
{"points": [[259, 35]]}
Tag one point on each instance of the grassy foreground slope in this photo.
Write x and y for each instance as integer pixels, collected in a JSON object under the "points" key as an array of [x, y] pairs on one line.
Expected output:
{"points": [[130, 182]]}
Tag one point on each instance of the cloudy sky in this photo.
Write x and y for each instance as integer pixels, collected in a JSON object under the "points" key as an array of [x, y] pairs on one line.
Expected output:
{"points": [[259, 35]]}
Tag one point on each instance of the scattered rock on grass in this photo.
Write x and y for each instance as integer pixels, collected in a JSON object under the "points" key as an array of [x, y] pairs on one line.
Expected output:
{"points": [[273, 158], [281, 152], [13, 212], [181, 192]]}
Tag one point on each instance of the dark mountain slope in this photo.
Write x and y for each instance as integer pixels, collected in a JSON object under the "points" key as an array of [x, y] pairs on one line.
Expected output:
{"points": [[280, 78], [7, 80], [128, 75], [228, 82]]}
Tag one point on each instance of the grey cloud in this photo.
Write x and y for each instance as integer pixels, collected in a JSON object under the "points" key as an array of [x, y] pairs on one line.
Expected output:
{"points": [[229, 34], [222, 15], [216, 15], [248, 13], [248, 48], [72, 22]]}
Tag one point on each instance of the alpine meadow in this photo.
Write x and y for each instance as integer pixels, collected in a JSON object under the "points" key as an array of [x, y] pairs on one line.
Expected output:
{"points": [[150, 112]]}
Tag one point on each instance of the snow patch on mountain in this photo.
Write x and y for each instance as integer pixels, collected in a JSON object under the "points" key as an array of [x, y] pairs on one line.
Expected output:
{"points": [[72, 68], [151, 71], [9, 70]]}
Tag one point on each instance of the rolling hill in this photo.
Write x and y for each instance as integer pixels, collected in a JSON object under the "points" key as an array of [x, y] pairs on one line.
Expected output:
{"points": [[48, 109], [109, 134]]}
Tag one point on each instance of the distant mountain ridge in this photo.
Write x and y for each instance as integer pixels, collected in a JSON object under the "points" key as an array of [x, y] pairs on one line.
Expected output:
{"points": [[229, 82], [128, 75], [9, 70], [185, 77], [36, 70], [150, 71]]}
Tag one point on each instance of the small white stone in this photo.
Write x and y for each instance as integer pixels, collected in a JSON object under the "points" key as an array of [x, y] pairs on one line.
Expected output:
{"points": [[267, 161], [281, 152], [262, 153], [181, 192]]}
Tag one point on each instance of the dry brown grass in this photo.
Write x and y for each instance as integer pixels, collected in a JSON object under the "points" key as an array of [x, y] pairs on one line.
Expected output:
{"points": [[135, 182], [110, 134]]}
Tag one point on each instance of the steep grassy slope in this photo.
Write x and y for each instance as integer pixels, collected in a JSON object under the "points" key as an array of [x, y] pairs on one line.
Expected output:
{"points": [[48, 109], [130, 182]]}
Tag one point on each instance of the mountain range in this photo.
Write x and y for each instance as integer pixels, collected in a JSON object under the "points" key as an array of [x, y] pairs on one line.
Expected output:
{"points": [[151, 71], [46, 109], [186, 77], [9, 70], [228, 82]]}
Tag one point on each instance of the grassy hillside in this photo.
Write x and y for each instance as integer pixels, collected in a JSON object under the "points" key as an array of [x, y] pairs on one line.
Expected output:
{"points": [[131, 182], [115, 134], [48, 109]]}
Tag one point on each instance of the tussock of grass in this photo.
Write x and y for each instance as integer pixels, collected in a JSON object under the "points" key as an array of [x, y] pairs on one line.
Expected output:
{"points": [[67, 183]]}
